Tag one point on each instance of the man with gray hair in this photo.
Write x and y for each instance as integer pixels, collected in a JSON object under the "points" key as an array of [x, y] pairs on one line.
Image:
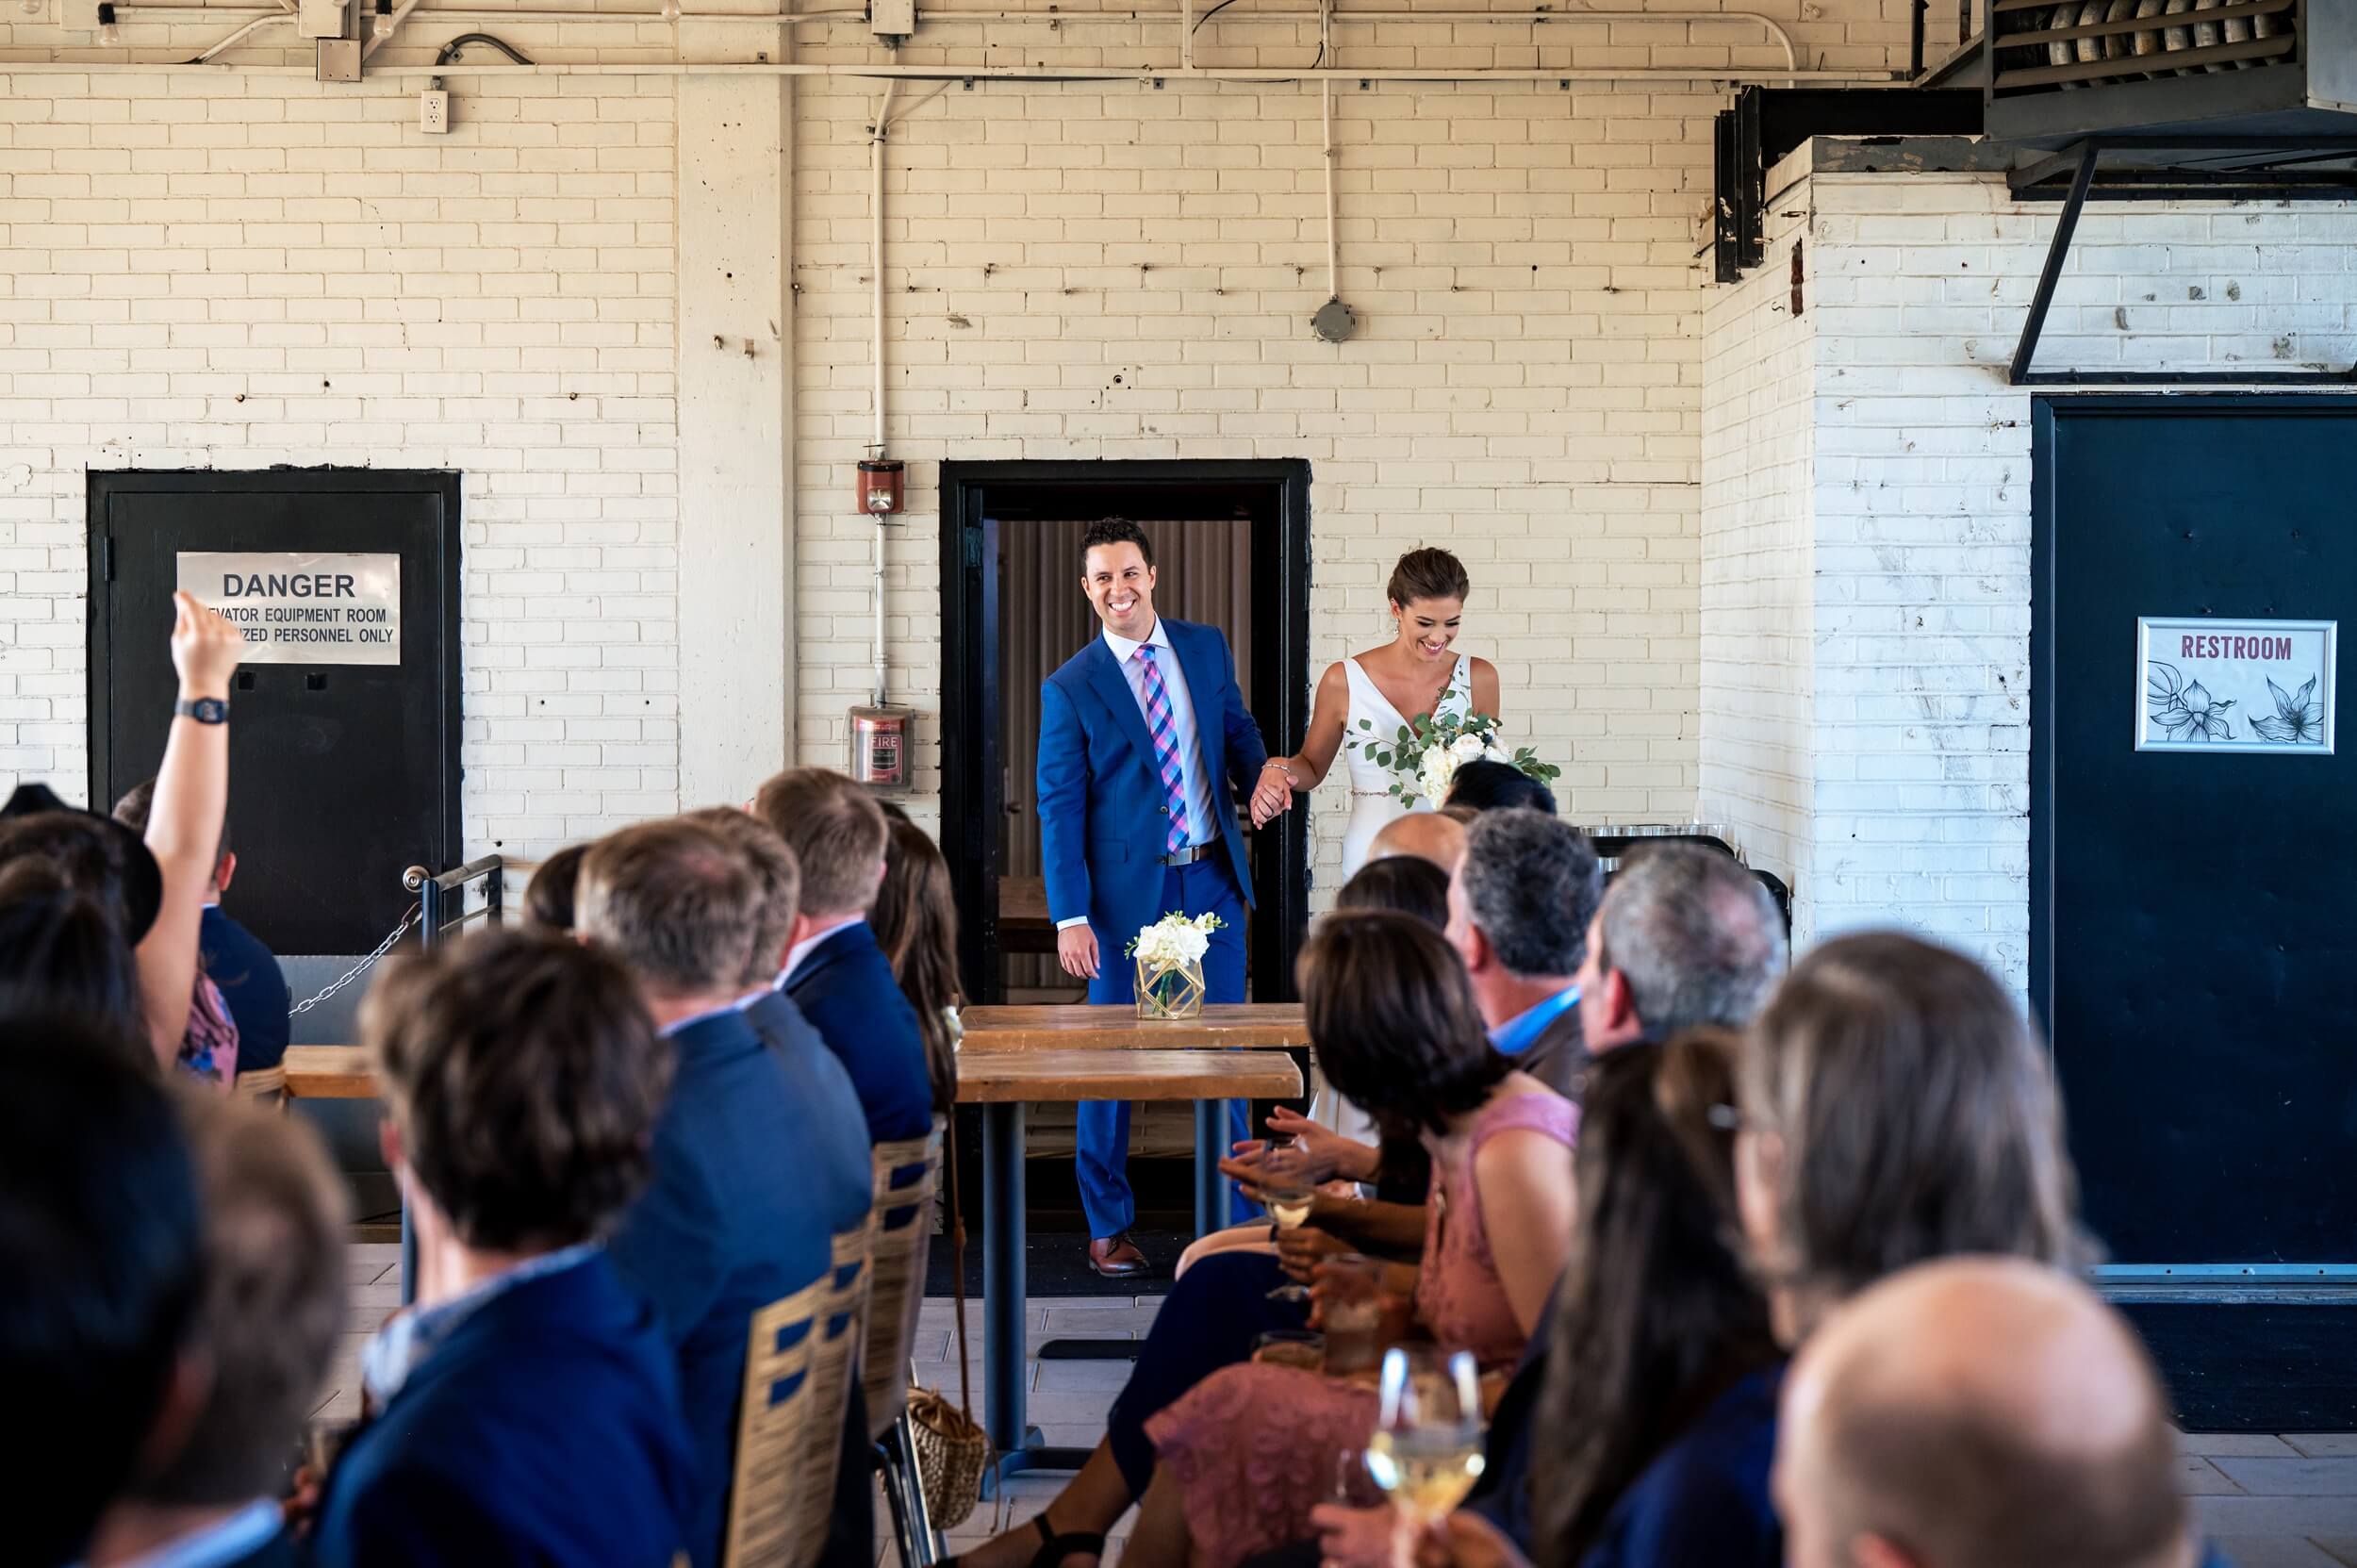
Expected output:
{"points": [[1519, 908], [1686, 937]]}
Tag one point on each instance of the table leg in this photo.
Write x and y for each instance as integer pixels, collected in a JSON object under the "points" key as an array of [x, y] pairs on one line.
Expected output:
{"points": [[1210, 1145], [1004, 1314], [408, 1256], [1002, 1276]]}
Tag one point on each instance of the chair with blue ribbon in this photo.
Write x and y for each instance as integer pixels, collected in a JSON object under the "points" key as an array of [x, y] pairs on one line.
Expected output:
{"points": [[907, 1172], [781, 1409]]}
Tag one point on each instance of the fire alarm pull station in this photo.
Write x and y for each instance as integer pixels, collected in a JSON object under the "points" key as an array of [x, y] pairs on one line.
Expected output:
{"points": [[880, 748]]}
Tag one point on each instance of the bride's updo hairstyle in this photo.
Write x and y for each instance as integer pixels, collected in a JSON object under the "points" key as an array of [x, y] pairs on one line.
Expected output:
{"points": [[1427, 574], [1392, 1020]]}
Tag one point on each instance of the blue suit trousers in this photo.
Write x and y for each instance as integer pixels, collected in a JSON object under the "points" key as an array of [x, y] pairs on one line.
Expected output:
{"points": [[1206, 887]]}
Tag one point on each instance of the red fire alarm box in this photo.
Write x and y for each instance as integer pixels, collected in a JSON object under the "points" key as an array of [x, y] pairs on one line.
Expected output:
{"points": [[880, 747]]}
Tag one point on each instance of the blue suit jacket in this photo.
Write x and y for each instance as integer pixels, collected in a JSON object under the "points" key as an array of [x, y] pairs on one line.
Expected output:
{"points": [[1102, 821], [838, 1173], [544, 1429], [844, 988], [253, 985], [725, 1228]]}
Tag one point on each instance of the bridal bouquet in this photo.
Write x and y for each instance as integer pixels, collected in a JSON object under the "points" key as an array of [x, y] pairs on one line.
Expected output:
{"points": [[1428, 751], [1169, 955]]}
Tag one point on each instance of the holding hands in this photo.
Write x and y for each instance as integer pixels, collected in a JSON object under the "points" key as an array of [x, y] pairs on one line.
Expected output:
{"points": [[1272, 796]]}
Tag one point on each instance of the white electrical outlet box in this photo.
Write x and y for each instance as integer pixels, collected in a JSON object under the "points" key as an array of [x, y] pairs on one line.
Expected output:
{"points": [[339, 59], [433, 111], [892, 18], [320, 18]]}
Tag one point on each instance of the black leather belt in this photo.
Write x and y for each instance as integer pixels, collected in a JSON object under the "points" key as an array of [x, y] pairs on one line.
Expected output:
{"points": [[1189, 855]]}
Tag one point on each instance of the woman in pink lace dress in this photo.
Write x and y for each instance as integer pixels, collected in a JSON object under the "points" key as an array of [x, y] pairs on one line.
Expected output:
{"points": [[1243, 1458]]}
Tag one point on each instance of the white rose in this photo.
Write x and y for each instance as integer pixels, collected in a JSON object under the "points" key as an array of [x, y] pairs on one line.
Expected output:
{"points": [[1494, 753], [1434, 778], [1466, 747], [1193, 945]]}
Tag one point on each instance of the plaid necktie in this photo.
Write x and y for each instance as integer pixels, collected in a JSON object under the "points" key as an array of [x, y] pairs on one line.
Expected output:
{"points": [[1165, 731]]}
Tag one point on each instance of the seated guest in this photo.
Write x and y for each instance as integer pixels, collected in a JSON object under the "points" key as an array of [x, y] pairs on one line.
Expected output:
{"points": [[236, 977], [549, 896], [726, 1226], [1486, 785], [272, 1312], [1661, 1401], [1399, 1170], [1686, 937], [1426, 834], [101, 1246], [836, 1167], [62, 952], [525, 1409], [1239, 1460], [1701, 946], [1520, 907], [915, 918], [1243, 1455], [1979, 1412], [835, 971]]}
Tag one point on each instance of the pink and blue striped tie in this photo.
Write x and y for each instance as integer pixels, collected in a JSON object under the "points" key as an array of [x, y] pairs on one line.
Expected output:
{"points": [[1166, 730]]}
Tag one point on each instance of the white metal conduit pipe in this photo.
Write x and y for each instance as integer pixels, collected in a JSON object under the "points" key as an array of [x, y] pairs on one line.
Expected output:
{"points": [[1138, 74], [876, 219], [1774, 29]]}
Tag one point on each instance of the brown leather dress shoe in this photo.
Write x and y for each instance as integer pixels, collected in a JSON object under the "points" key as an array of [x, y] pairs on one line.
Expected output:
{"points": [[1116, 1256]]}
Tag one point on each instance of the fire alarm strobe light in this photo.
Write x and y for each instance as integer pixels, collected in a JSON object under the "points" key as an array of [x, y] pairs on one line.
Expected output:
{"points": [[880, 481]]}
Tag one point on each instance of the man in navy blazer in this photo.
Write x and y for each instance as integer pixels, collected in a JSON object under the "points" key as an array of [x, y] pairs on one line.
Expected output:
{"points": [[835, 971], [1142, 737], [730, 1223], [525, 1410]]}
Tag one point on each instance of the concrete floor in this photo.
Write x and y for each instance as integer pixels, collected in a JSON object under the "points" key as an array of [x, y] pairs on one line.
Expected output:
{"points": [[2286, 1501]]}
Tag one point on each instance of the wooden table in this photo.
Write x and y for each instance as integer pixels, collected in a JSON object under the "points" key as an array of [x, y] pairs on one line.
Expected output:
{"points": [[1083, 1026], [329, 1072], [1002, 1082]]}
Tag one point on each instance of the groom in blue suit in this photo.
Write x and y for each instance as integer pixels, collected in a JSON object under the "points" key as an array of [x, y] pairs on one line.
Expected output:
{"points": [[1142, 736]]}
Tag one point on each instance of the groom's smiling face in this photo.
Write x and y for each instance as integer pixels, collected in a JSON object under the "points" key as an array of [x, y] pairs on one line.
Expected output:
{"points": [[1121, 586]]}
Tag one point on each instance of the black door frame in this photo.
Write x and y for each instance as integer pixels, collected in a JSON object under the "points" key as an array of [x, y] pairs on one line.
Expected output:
{"points": [[2044, 411], [1148, 490], [104, 485]]}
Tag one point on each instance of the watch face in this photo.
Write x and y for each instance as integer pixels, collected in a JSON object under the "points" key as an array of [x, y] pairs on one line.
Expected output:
{"points": [[207, 710]]}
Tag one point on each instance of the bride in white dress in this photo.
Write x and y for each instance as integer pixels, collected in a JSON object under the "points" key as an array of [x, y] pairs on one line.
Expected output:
{"points": [[1419, 671]]}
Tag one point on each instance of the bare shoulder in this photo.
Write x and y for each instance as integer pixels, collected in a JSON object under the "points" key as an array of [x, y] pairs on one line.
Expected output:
{"points": [[1484, 680]]}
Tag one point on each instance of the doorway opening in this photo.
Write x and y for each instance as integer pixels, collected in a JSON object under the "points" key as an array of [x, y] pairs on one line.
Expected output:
{"points": [[1231, 543]]}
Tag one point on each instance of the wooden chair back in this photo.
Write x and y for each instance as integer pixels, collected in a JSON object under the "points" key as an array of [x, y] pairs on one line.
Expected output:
{"points": [[267, 1087], [834, 1362], [781, 1409], [907, 1172]]}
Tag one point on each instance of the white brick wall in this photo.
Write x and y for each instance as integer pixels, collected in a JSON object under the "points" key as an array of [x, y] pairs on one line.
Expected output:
{"points": [[1919, 507], [235, 271]]}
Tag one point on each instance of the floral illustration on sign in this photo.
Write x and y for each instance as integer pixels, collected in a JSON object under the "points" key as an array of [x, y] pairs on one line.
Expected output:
{"points": [[2184, 709], [2299, 716]]}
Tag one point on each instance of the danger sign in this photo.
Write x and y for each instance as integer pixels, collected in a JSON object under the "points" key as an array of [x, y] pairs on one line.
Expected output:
{"points": [[296, 608]]}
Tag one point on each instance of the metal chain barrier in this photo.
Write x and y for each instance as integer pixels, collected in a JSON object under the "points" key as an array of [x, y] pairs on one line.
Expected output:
{"points": [[363, 965]]}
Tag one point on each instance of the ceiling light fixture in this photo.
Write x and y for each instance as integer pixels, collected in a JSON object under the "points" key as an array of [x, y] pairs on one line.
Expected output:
{"points": [[670, 10], [108, 34], [381, 25]]}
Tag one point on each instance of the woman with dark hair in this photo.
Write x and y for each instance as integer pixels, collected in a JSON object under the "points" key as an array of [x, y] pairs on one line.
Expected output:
{"points": [[63, 954], [1364, 700], [915, 921], [549, 896], [1244, 1456], [1660, 1396], [1398, 1167]]}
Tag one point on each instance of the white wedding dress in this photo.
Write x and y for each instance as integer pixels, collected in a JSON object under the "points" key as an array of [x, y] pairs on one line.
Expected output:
{"points": [[1373, 806]]}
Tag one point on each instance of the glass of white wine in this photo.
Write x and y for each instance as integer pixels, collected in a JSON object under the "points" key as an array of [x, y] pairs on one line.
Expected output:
{"points": [[1285, 1187], [1427, 1448]]}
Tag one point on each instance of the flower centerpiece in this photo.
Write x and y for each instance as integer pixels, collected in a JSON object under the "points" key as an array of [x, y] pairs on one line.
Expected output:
{"points": [[1426, 752], [1169, 957]]}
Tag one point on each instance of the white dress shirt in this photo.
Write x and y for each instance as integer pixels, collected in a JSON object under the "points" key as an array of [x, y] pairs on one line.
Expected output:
{"points": [[1202, 827], [800, 951]]}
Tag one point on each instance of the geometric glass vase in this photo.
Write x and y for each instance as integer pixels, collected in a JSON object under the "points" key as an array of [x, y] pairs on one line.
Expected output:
{"points": [[1170, 991]]}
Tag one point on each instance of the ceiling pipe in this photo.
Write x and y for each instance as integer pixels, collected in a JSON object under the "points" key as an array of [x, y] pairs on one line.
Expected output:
{"points": [[1143, 75], [1184, 15]]}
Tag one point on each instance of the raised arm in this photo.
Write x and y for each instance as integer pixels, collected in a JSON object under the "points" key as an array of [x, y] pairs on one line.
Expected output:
{"points": [[1307, 768], [183, 824]]}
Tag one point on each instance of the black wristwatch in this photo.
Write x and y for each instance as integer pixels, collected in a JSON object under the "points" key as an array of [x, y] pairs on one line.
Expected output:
{"points": [[204, 710]]}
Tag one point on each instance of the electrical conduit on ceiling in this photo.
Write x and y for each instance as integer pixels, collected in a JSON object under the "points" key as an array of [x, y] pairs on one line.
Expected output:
{"points": [[1186, 67]]}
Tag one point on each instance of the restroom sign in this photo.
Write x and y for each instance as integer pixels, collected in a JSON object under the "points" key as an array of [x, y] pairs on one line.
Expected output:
{"points": [[294, 608], [2260, 687]]}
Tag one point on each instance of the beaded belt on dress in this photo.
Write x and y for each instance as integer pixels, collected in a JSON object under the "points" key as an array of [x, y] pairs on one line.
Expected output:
{"points": [[1372, 793]]}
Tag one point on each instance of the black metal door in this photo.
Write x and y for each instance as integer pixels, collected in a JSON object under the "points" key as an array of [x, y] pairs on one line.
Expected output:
{"points": [[340, 774], [2192, 952]]}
